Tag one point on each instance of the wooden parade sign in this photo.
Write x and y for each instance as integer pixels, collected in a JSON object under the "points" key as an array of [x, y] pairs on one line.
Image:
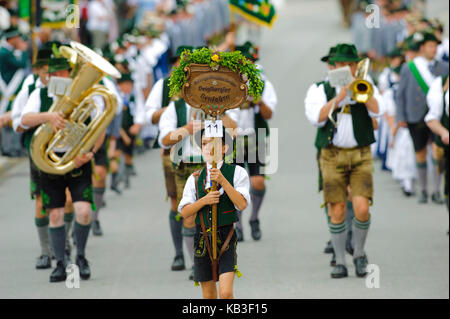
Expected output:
{"points": [[214, 91]]}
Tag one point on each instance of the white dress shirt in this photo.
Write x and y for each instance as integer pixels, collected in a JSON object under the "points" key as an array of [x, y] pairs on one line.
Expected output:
{"points": [[154, 101], [344, 137], [168, 124], [246, 121], [434, 100], [241, 183], [20, 101]]}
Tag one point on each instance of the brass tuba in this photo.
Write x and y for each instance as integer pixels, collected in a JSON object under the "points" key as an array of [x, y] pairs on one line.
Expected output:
{"points": [[79, 135], [361, 89]]}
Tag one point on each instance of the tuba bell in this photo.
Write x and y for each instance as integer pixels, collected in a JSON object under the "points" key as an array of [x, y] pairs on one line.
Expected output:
{"points": [[77, 103], [361, 89]]}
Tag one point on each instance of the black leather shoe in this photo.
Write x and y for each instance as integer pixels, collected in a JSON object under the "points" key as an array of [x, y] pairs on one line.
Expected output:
{"points": [[59, 274], [83, 265], [339, 271], [329, 248], [239, 234], [178, 263], [360, 266], [333, 260], [256, 232], [436, 198], [43, 262], [96, 229], [423, 197]]}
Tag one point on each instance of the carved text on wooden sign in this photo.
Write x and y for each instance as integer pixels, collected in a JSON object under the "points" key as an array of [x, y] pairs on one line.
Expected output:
{"points": [[213, 91]]}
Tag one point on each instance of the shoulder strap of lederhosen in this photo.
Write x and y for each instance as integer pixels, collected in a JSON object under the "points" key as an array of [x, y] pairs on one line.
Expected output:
{"points": [[180, 109], [165, 92], [46, 101]]}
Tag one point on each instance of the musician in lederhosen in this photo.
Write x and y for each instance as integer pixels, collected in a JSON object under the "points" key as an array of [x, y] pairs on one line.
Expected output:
{"points": [[156, 104], [250, 143], [345, 158], [53, 187]]}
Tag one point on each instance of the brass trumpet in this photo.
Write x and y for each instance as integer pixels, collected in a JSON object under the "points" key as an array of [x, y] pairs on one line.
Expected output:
{"points": [[362, 90], [80, 134]]}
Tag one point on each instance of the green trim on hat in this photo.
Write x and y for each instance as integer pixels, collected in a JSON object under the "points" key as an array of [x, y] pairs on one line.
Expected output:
{"points": [[345, 53], [58, 64]]}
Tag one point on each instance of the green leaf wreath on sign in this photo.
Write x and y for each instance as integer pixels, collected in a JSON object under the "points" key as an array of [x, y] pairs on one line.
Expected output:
{"points": [[234, 61]]}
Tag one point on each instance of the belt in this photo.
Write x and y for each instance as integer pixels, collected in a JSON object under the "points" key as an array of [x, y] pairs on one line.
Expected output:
{"points": [[346, 109], [331, 146]]}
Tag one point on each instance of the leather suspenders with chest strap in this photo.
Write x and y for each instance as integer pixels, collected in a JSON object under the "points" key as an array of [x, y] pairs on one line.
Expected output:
{"points": [[215, 266]]}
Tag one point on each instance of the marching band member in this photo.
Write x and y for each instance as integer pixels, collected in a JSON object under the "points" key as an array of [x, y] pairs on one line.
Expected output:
{"points": [[54, 186], [345, 156], [253, 116], [176, 126], [232, 195], [156, 104], [415, 80]]}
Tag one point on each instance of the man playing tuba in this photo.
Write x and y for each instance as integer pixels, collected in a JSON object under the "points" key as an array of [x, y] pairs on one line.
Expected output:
{"points": [[78, 181]]}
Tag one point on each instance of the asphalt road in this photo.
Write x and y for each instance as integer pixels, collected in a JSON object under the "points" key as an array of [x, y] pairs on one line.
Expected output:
{"points": [[407, 242]]}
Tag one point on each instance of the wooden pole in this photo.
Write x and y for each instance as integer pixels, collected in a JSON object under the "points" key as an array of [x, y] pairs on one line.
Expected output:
{"points": [[33, 26], [215, 264]]}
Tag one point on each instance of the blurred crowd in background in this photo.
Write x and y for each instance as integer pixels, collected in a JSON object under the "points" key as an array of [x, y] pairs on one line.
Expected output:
{"points": [[145, 33]]}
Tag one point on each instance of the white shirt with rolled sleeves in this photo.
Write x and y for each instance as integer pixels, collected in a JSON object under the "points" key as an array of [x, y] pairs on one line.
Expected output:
{"points": [[434, 100], [246, 121], [344, 137], [154, 101], [241, 183], [20, 101], [168, 124]]}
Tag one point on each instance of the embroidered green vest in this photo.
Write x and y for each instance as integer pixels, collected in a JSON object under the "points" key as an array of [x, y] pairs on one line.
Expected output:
{"points": [[127, 117], [362, 123], [226, 212], [444, 117], [46, 103]]}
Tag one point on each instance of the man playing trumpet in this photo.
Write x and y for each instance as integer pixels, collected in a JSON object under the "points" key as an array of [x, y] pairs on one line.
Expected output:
{"points": [[345, 158]]}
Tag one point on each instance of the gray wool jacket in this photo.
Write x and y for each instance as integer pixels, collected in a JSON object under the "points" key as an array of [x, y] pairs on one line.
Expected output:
{"points": [[410, 98]]}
